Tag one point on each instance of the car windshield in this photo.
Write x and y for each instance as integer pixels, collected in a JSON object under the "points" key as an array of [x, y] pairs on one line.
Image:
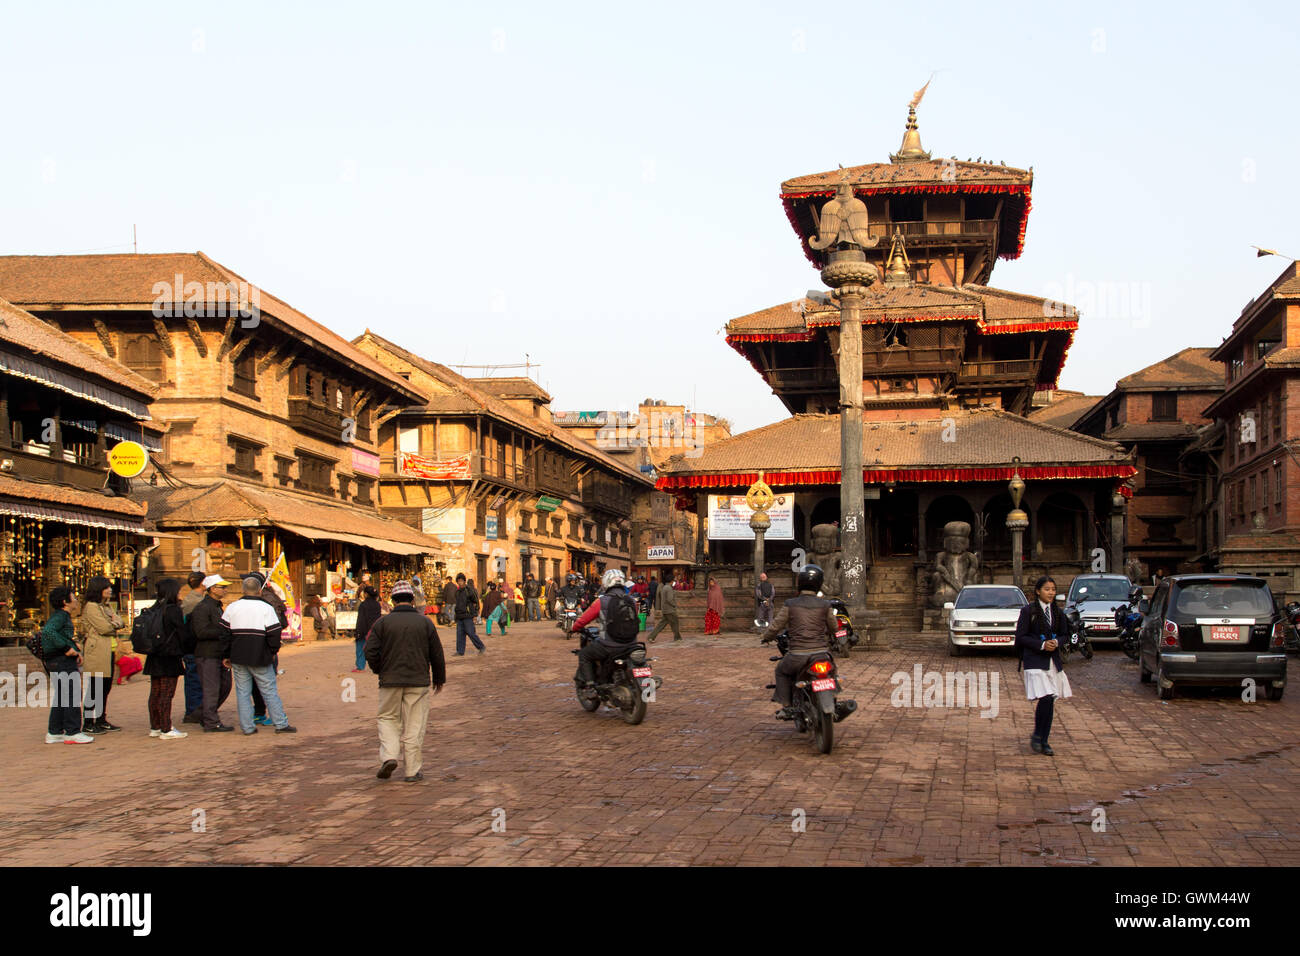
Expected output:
{"points": [[1099, 589], [1222, 598], [988, 598]]}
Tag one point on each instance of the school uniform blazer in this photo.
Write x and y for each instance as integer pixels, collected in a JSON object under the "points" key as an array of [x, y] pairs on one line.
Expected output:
{"points": [[1031, 627]]}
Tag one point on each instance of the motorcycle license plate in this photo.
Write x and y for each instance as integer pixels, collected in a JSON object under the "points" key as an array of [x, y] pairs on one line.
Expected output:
{"points": [[1220, 633], [642, 672], [841, 632], [997, 639], [827, 683]]}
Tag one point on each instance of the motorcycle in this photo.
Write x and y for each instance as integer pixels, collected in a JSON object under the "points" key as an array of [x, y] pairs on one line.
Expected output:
{"points": [[845, 637], [1292, 613], [814, 702], [624, 683], [1078, 638], [1129, 622], [569, 615]]}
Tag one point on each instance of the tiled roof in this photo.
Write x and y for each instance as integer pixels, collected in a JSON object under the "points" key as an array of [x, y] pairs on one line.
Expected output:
{"points": [[230, 502], [1285, 288], [1190, 368], [1151, 431], [934, 171], [468, 397], [42, 339], [516, 386], [64, 495], [994, 308], [128, 279], [1064, 409], [981, 438]]}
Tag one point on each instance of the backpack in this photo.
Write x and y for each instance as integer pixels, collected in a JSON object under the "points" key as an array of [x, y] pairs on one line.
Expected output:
{"points": [[622, 624], [146, 632], [33, 644]]}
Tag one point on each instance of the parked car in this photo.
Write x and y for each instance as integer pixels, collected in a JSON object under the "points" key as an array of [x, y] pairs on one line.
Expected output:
{"points": [[1096, 596], [1212, 629], [984, 615]]}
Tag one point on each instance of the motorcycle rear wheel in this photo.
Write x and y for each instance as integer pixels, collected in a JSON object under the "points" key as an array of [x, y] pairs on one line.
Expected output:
{"points": [[588, 704], [824, 731], [1086, 650], [636, 713]]}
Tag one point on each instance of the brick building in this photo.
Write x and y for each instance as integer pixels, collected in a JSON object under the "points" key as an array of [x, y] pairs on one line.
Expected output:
{"points": [[1158, 414], [269, 448], [481, 464], [1257, 499]]}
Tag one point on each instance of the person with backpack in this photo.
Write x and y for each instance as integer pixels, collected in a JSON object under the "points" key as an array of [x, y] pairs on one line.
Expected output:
{"points": [[467, 608], [615, 615], [100, 626], [166, 640], [248, 646], [61, 656], [404, 650], [448, 601]]}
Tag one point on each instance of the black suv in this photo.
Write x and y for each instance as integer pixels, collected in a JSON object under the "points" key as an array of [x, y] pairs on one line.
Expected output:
{"points": [[1212, 629]]}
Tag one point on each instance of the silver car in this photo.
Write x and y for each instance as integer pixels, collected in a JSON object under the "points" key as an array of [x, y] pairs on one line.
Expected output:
{"points": [[1097, 596], [984, 615]]}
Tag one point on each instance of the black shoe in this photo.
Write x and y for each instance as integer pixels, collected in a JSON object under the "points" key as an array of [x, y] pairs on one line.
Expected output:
{"points": [[218, 729], [415, 778], [1048, 751], [1035, 745], [105, 725], [387, 769], [88, 728], [482, 649], [286, 729], [193, 718]]}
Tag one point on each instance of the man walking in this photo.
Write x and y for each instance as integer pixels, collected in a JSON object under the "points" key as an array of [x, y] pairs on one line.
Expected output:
{"points": [[531, 592], [193, 686], [666, 605], [448, 601], [764, 593], [467, 607], [404, 650], [248, 647], [551, 591], [205, 622]]}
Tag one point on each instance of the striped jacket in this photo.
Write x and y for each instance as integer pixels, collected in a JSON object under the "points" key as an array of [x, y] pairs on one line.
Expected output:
{"points": [[251, 632]]}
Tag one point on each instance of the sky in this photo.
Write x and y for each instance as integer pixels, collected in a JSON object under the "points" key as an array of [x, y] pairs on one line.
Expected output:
{"points": [[594, 188]]}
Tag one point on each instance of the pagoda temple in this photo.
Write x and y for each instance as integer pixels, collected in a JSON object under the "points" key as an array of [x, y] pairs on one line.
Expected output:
{"points": [[950, 367]]}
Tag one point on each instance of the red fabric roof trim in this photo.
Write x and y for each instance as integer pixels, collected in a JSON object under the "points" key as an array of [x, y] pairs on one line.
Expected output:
{"points": [[1065, 325], [770, 337], [873, 476], [891, 317]]}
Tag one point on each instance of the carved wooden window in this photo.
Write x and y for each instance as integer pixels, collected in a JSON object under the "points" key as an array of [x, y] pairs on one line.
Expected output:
{"points": [[1164, 407], [246, 455], [143, 355], [365, 490], [315, 474], [245, 381], [282, 466]]}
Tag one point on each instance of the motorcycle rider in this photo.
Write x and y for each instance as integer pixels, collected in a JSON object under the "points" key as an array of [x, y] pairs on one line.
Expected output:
{"points": [[606, 646], [570, 592], [810, 622]]}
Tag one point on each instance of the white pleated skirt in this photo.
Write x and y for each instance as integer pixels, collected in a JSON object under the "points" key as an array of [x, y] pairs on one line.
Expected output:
{"points": [[1040, 683]]}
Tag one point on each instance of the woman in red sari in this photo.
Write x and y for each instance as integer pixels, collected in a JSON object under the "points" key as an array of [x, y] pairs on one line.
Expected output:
{"points": [[714, 608]]}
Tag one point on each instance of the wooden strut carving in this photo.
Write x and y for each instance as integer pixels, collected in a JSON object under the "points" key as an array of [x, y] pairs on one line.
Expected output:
{"points": [[105, 338], [196, 334], [242, 344], [227, 339], [286, 364], [271, 357], [164, 339]]}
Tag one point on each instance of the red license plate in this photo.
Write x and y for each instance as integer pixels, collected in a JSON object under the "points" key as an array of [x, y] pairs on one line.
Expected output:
{"points": [[641, 672], [841, 633], [1220, 633], [997, 638], [826, 684]]}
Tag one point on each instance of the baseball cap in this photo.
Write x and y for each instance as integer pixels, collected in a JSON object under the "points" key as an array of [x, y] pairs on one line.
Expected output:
{"points": [[212, 580]]}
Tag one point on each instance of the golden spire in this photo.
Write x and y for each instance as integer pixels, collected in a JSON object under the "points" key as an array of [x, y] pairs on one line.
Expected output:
{"points": [[911, 151], [898, 273]]}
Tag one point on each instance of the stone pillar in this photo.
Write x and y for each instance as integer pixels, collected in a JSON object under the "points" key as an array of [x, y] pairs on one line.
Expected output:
{"points": [[1017, 522], [1117, 503], [920, 531]]}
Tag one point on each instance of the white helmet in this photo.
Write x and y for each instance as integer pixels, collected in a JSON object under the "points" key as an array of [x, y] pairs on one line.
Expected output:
{"points": [[613, 579]]}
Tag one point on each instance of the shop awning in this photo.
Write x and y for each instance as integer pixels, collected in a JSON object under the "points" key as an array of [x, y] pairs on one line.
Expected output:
{"points": [[37, 371], [377, 544], [67, 516]]}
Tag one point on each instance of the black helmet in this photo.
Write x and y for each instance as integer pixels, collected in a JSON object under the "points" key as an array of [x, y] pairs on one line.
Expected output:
{"points": [[1135, 595], [811, 578]]}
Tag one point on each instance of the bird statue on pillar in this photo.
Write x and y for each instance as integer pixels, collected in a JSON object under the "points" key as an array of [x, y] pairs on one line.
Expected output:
{"points": [[843, 220]]}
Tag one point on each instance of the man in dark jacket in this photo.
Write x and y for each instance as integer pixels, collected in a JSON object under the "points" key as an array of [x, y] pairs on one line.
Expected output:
{"points": [[764, 592], [404, 650], [252, 637], [205, 622], [532, 591], [550, 591], [666, 605], [448, 601], [62, 657], [810, 623], [467, 608]]}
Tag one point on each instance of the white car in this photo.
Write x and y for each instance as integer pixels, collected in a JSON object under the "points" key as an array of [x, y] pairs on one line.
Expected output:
{"points": [[984, 615]]}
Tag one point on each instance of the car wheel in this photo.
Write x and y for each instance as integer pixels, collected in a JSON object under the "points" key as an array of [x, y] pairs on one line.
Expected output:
{"points": [[1166, 693], [1144, 674], [955, 650], [1275, 693]]}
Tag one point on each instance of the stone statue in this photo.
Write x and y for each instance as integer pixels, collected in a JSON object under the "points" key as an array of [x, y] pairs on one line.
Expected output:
{"points": [[826, 554], [1133, 569], [843, 219], [955, 566]]}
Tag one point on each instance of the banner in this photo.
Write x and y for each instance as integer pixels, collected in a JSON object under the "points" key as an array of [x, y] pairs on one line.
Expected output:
{"points": [[729, 518], [445, 524], [279, 577], [662, 552], [364, 463], [448, 469], [491, 527]]}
